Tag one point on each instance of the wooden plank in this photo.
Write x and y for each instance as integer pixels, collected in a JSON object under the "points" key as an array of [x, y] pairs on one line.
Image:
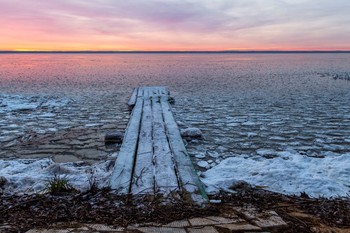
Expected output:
{"points": [[143, 177], [153, 157], [192, 188], [140, 92], [132, 100], [153, 91], [123, 168], [165, 176], [145, 93], [163, 91]]}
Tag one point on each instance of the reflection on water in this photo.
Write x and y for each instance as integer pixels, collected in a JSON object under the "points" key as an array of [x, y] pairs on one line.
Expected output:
{"points": [[253, 104]]}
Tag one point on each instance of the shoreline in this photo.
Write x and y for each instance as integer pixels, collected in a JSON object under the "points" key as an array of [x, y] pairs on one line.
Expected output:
{"points": [[301, 214], [288, 174]]}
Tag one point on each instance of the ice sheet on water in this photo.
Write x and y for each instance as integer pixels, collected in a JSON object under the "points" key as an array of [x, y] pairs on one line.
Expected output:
{"points": [[282, 95], [289, 173], [31, 176], [10, 103], [16, 103]]}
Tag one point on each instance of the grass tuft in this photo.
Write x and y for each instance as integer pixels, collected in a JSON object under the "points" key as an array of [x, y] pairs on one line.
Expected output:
{"points": [[58, 185]]}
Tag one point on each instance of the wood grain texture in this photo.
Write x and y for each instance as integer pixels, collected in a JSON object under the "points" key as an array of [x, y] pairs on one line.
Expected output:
{"points": [[153, 158]]}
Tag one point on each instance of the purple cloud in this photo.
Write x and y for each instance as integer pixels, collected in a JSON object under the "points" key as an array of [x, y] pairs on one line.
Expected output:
{"points": [[224, 22]]}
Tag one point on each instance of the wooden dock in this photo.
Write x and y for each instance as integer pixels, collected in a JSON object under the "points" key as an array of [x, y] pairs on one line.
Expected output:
{"points": [[153, 158]]}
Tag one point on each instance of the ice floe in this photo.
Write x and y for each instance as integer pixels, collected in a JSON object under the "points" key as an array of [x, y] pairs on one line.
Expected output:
{"points": [[17, 103]]}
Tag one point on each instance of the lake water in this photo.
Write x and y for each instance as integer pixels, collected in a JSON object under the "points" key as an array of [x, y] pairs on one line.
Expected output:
{"points": [[255, 105]]}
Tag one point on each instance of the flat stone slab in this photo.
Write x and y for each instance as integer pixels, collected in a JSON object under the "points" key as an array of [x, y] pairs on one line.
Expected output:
{"points": [[161, 230], [270, 220], [213, 220], [255, 221], [178, 224], [228, 228], [202, 221], [102, 227], [207, 229], [222, 220]]}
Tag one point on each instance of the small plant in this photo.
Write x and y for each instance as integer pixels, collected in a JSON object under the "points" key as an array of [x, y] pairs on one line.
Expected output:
{"points": [[58, 185], [93, 187]]}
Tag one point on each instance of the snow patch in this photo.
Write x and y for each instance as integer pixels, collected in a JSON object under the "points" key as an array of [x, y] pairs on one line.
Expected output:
{"points": [[31, 176], [288, 173]]}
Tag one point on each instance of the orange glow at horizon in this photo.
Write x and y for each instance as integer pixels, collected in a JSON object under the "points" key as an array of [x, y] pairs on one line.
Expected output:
{"points": [[149, 47]]}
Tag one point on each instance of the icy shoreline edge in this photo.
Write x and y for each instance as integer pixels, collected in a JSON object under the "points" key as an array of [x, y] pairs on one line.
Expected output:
{"points": [[290, 174]]}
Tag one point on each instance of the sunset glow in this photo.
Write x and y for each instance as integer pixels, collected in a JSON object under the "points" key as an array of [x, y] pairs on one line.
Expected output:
{"points": [[155, 25]]}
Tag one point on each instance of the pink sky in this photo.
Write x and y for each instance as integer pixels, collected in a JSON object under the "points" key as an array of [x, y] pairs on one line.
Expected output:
{"points": [[174, 25]]}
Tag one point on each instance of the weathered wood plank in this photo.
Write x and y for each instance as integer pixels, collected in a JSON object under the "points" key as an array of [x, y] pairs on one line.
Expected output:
{"points": [[165, 175], [153, 157], [123, 168], [133, 97], [163, 91], [143, 177], [192, 188], [141, 91], [146, 92], [152, 91]]}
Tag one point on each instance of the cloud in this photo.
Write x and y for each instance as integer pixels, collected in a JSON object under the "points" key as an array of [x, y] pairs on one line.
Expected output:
{"points": [[203, 24]]}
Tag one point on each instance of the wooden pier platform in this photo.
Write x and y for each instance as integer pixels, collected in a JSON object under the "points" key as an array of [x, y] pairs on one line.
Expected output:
{"points": [[153, 158]]}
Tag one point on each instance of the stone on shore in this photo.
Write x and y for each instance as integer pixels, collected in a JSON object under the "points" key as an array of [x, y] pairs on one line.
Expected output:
{"points": [[191, 133], [114, 137]]}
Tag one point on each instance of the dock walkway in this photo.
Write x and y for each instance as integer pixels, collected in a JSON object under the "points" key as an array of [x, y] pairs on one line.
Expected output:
{"points": [[153, 158]]}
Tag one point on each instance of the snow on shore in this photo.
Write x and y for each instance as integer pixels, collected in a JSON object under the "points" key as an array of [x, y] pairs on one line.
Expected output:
{"points": [[31, 176], [289, 173]]}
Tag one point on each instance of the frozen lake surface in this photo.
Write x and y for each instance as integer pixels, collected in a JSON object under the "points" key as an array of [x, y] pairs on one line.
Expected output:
{"points": [[272, 112]]}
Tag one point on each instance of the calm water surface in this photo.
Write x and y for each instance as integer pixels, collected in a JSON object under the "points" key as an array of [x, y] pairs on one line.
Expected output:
{"points": [[61, 105]]}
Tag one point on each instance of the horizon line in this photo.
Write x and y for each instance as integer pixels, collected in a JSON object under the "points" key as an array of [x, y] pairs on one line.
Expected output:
{"points": [[174, 51]]}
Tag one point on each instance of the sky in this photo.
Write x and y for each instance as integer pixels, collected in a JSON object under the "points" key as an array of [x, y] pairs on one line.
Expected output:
{"points": [[158, 25]]}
